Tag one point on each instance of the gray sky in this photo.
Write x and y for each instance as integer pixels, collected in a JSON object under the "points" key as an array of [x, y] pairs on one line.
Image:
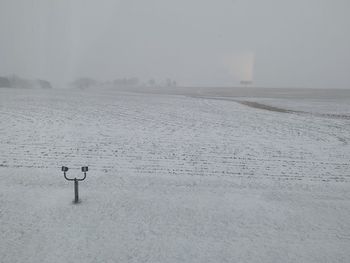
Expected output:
{"points": [[304, 43]]}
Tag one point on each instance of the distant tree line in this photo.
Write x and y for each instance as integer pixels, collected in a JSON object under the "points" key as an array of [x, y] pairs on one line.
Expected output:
{"points": [[17, 82], [85, 83]]}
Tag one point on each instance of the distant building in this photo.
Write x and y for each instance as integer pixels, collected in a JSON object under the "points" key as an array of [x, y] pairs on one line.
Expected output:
{"points": [[246, 83], [44, 84]]}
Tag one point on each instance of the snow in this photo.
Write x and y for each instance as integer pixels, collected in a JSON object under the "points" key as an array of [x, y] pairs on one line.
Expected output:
{"points": [[312, 106], [171, 179]]}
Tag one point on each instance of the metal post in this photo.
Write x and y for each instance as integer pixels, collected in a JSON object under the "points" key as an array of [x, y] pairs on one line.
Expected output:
{"points": [[84, 169], [76, 191]]}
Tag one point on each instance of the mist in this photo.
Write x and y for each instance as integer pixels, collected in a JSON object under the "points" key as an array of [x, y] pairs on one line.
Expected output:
{"points": [[195, 42]]}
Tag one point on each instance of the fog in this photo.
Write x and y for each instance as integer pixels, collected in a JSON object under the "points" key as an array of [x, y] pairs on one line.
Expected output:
{"points": [[273, 43]]}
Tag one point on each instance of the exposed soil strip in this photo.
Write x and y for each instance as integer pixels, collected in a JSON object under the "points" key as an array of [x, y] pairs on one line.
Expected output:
{"points": [[261, 106], [266, 107], [276, 109]]}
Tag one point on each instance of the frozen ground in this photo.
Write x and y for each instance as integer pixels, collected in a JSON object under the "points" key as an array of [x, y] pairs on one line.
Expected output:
{"points": [[172, 179]]}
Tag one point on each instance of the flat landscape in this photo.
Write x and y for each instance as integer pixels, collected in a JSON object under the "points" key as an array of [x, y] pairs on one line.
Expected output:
{"points": [[191, 176]]}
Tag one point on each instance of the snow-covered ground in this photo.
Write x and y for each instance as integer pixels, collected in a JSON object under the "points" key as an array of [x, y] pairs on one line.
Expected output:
{"points": [[172, 179], [332, 107]]}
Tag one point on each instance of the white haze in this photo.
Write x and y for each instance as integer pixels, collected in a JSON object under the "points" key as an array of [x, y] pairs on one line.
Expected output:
{"points": [[196, 42]]}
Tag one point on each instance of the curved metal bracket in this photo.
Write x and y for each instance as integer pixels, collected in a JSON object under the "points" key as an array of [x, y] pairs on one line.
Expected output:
{"points": [[65, 169], [74, 179]]}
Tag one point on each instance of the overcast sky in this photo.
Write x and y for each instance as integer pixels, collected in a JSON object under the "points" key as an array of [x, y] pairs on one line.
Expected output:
{"points": [[302, 43]]}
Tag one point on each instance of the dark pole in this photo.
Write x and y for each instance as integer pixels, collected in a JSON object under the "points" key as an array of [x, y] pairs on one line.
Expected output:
{"points": [[76, 193], [84, 169]]}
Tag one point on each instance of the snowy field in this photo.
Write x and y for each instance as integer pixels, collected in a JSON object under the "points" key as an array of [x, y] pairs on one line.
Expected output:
{"points": [[173, 178]]}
